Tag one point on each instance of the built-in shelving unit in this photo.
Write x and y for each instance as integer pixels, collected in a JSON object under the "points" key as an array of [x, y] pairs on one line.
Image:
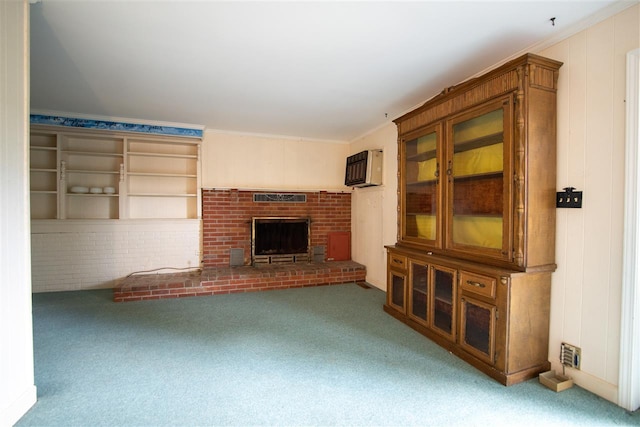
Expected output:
{"points": [[44, 175], [96, 174], [162, 174]]}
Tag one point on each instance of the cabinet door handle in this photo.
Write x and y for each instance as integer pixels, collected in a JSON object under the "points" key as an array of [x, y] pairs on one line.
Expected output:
{"points": [[476, 284], [397, 261]]}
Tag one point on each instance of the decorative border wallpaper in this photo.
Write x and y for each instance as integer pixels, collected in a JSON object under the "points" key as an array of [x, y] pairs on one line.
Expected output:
{"points": [[115, 126]]}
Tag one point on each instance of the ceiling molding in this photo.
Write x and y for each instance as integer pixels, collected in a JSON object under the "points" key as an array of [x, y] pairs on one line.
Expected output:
{"points": [[273, 136]]}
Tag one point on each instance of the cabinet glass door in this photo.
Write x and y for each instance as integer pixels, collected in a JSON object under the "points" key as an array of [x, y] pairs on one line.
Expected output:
{"points": [[479, 178], [444, 291], [478, 326], [396, 293], [418, 282], [420, 198]]}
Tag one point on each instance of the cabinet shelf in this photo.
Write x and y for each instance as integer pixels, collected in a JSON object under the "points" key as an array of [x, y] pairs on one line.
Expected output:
{"points": [[174, 156], [476, 215], [420, 291], [444, 300], [42, 148], [424, 183], [43, 170], [43, 192], [484, 175], [421, 157], [420, 213], [483, 141], [92, 153]]}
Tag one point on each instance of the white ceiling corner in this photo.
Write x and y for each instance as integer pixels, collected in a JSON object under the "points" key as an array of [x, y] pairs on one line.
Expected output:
{"points": [[326, 70]]}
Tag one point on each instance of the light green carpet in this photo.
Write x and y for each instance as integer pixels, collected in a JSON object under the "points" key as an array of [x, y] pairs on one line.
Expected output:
{"points": [[313, 356]]}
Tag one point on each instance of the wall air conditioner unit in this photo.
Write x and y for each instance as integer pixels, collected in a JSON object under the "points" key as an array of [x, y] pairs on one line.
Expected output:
{"points": [[364, 169]]}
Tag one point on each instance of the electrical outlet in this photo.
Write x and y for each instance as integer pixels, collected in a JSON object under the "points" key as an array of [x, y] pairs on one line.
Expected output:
{"points": [[570, 355]]}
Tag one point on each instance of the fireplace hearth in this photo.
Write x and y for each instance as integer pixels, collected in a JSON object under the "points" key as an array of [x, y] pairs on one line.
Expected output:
{"points": [[279, 240]]}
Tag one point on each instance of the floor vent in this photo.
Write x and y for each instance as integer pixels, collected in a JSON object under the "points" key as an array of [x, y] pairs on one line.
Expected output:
{"points": [[280, 197]]}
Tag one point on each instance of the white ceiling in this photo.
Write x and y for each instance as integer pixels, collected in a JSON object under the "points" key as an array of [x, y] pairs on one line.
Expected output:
{"points": [[320, 70]]}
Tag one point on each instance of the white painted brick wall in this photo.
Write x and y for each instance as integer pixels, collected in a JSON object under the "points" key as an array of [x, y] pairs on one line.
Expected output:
{"points": [[90, 254]]}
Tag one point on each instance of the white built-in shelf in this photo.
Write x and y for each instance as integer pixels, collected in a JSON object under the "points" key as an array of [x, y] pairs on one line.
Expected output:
{"points": [[92, 195], [92, 153], [92, 171], [154, 175], [166, 175], [175, 156]]}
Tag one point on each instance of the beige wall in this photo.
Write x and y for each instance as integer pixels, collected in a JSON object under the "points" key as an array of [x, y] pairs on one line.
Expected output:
{"points": [[73, 255], [273, 163], [586, 287], [17, 389], [373, 209]]}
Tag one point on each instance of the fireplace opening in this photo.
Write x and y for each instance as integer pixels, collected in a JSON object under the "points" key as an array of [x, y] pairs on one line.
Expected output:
{"points": [[279, 240]]}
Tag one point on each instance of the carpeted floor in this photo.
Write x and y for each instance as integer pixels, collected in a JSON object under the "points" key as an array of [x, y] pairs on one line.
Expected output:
{"points": [[314, 356]]}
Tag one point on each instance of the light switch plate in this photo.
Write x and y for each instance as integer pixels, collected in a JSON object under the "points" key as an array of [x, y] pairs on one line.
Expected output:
{"points": [[569, 198]]}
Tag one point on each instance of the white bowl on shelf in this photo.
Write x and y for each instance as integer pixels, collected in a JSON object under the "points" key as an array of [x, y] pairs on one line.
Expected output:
{"points": [[79, 190], [95, 190], [109, 190]]}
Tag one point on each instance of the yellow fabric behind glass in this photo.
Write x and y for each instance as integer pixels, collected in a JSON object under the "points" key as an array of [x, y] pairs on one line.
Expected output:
{"points": [[480, 160], [427, 170], [426, 226], [480, 231], [484, 125], [427, 143]]}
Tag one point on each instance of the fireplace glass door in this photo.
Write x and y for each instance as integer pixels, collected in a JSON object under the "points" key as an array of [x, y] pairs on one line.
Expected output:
{"points": [[280, 240]]}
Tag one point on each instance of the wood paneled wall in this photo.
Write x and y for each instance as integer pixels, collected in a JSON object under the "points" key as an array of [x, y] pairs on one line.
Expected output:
{"points": [[17, 388], [586, 287]]}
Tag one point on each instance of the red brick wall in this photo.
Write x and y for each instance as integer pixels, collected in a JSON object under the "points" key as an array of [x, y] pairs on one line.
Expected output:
{"points": [[227, 214]]}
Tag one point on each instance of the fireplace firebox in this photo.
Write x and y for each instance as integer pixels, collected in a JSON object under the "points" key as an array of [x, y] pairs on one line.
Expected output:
{"points": [[279, 240]]}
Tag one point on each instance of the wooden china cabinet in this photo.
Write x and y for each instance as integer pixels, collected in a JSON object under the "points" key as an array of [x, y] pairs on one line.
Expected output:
{"points": [[476, 219]]}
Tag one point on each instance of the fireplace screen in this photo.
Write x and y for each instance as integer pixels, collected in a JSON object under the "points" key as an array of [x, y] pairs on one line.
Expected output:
{"points": [[280, 240]]}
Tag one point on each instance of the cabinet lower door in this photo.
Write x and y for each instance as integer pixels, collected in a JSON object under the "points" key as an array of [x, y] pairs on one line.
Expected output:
{"points": [[477, 328], [443, 296], [396, 290], [419, 292]]}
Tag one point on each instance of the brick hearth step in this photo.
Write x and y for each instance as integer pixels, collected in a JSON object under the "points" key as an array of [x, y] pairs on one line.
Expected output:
{"points": [[226, 280]]}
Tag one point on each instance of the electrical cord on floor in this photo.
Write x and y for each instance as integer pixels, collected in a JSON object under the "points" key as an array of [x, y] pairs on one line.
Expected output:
{"points": [[162, 268]]}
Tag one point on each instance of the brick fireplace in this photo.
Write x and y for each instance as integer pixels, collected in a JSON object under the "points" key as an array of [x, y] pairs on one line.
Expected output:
{"points": [[227, 217]]}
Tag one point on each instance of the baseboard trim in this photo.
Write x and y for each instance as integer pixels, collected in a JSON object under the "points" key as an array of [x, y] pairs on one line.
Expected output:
{"points": [[16, 409], [590, 383]]}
